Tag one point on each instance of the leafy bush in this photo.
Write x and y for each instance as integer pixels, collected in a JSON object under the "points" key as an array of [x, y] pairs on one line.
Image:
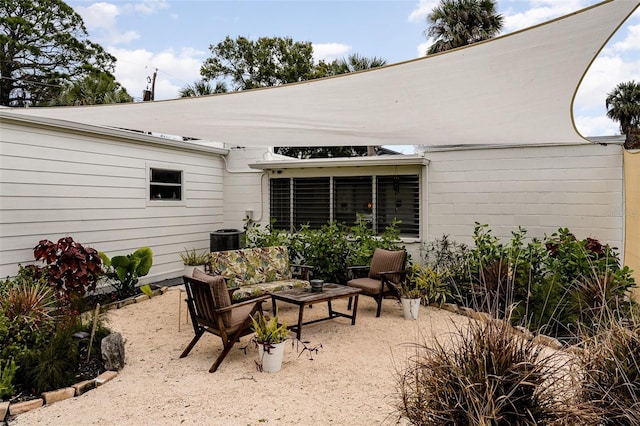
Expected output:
{"points": [[552, 286], [7, 373], [330, 249], [486, 376], [124, 272], [430, 285], [71, 268]]}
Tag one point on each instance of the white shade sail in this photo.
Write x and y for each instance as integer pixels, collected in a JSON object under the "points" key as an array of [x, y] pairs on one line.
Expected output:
{"points": [[514, 89]]}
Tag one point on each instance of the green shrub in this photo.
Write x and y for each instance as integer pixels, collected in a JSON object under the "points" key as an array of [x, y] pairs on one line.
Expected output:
{"points": [[330, 249], [124, 272], [430, 284], [7, 373]]}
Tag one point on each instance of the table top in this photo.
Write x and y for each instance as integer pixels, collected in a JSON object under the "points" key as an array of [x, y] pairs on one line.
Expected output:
{"points": [[305, 295]]}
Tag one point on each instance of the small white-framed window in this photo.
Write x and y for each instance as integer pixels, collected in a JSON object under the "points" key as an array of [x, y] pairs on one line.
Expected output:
{"points": [[165, 185]]}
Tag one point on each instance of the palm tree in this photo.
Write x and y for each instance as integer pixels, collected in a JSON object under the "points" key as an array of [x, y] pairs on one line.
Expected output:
{"points": [[623, 106], [456, 23], [355, 62], [94, 89], [202, 88]]}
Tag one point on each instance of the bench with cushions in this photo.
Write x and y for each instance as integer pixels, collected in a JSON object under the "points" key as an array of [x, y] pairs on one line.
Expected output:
{"points": [[251, 272]]}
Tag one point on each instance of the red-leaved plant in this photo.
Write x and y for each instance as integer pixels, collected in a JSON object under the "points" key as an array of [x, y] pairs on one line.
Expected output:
{"points": [[72, 268]]}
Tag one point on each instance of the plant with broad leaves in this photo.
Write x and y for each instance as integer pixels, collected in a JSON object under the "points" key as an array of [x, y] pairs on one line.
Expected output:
{"points": [[72, 268], [124, 272]]}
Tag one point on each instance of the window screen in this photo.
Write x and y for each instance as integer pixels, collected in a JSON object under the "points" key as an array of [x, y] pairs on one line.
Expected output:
{"points": [[310, 202], [352, 197], [280, 203], [399, 197]]}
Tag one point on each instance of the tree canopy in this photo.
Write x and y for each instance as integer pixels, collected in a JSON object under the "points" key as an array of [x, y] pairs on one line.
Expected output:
{"points": [[265, 62], [623, 106], [44, 46], [456, 23]]}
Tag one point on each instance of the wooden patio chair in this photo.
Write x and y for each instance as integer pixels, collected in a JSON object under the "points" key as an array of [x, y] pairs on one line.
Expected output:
{"points": [[211, 310], [381, 278]]}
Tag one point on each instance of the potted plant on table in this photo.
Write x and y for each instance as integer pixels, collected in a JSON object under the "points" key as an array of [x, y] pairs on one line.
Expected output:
{"points": [[194, 260], [270, 338]]}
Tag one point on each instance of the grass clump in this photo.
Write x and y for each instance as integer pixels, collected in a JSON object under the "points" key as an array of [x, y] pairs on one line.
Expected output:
{"points": [[488, 376], [611, 365]]}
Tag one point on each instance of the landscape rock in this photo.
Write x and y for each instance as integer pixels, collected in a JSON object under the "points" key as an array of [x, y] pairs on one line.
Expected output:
{"points": [[112, 348]]}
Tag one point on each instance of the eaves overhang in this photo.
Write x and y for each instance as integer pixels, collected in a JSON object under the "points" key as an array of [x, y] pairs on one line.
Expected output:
{"points": [[375, 161]]}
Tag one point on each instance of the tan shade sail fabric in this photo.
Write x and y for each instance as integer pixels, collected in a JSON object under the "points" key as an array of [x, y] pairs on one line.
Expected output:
{"points": [[632, 215], [515, 89]]}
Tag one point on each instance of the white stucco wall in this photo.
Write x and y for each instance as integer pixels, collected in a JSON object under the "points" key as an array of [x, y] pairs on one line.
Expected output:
{"points": [[540, 188], [57, 182]]}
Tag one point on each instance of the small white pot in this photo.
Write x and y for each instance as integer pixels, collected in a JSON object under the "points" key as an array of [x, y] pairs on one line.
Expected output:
{"points": [[272, 360], [411, 308], [188, 269]]}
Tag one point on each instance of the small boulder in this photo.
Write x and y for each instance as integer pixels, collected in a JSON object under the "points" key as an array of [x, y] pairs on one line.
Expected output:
{"points": [[112, 348]]}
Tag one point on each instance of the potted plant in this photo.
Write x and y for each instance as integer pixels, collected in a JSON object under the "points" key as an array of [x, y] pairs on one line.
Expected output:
{"points": [[426, 284], [410, 296], [270, 338], [194, 260]]}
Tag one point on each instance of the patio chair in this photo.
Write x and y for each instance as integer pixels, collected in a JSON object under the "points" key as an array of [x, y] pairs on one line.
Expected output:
{"points": [[381, 278], [211, 310]]}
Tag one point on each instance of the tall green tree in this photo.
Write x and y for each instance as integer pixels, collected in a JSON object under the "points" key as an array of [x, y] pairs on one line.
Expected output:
{"points": [[248, 64], [97, 88], [623, 106], [202, 88], [43, 46], [456, 23]]}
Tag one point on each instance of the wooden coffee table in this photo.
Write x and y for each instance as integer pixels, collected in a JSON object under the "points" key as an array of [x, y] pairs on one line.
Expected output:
{"points": [[304, 296]]}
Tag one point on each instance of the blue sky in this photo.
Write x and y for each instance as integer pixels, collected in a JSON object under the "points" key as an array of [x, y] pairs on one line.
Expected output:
{"points": [[174, 38]]}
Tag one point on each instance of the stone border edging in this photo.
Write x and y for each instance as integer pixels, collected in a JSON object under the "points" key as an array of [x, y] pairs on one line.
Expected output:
{"points": [[540, 339], [11, 409]]}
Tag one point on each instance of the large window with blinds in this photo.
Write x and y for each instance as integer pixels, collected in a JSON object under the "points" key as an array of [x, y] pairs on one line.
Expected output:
{"points": [[377, 199]]}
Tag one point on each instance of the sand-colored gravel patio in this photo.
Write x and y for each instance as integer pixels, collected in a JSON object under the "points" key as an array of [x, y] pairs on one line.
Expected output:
{"points": [[350, 381]]}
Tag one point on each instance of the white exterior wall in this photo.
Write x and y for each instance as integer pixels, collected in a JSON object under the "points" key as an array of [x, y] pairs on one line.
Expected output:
{"points": [[539, 188], [94, 188], [244, 188]]}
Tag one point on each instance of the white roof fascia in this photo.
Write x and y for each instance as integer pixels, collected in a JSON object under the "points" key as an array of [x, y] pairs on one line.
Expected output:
{"points": [[373, 161]]}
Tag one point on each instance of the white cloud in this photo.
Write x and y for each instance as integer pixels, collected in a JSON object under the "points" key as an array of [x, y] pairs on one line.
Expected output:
{"points": [[101, 21], [540, 11], [605, 74], [423, 8], [329, 51], [175, 70], [422, 47], [99, 15], [631, 41], [589, 125], [149, 7]]}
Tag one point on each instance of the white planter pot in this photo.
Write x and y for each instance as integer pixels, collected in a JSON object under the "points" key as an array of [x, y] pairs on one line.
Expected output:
{"points": [[188, 270], [411, 308], [272, 360]]}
